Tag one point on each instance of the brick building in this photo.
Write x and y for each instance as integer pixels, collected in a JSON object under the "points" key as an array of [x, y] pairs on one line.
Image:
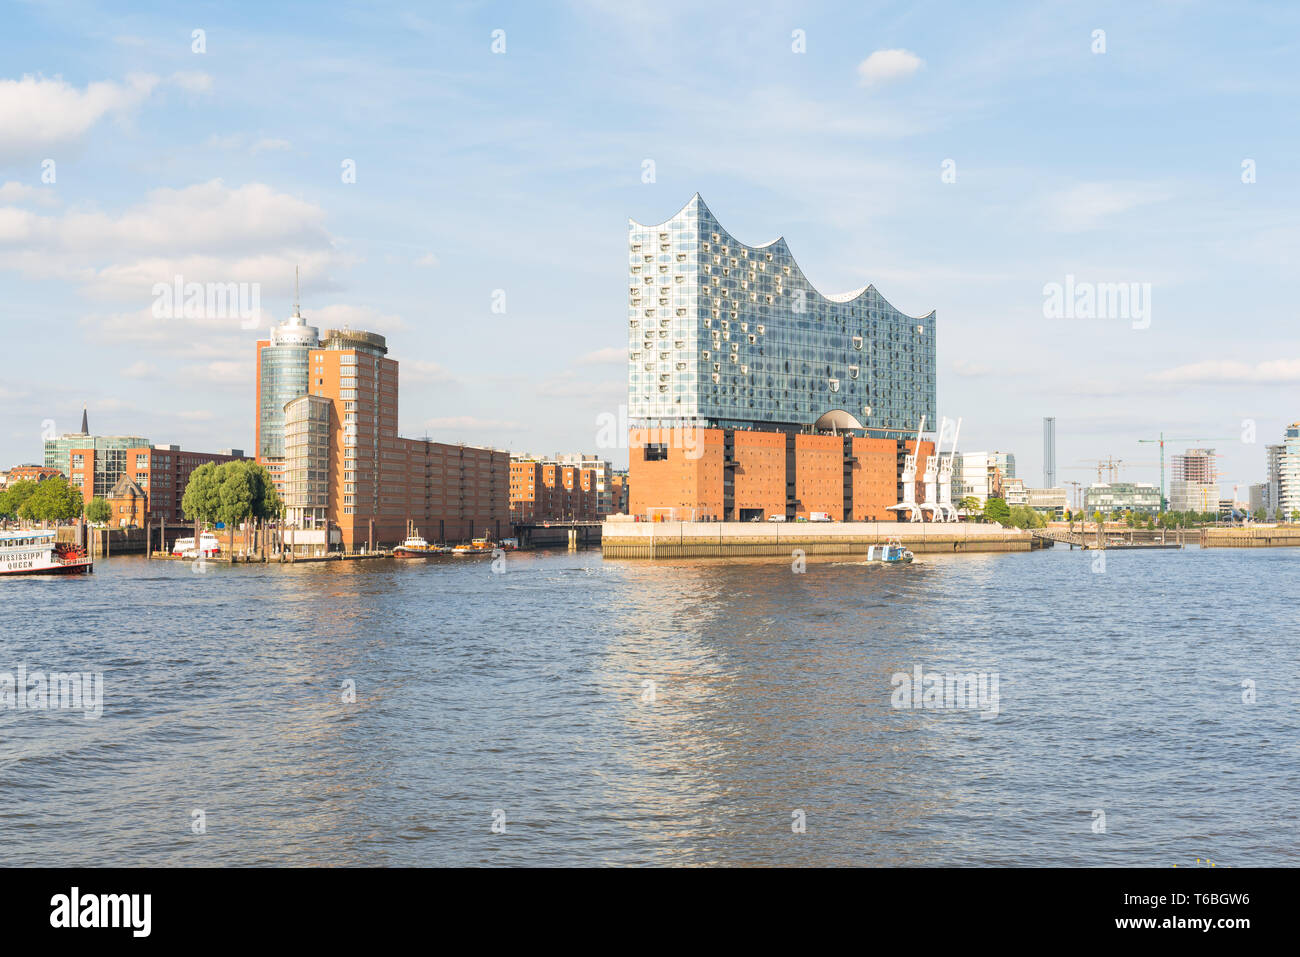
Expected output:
{"points": [[573, 488], [737, 475], [344, 464]]}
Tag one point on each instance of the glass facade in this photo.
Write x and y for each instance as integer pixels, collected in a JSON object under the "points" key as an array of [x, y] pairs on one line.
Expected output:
{"points": [[306, 460], [110, 456], [728, 335], [284, 377]]}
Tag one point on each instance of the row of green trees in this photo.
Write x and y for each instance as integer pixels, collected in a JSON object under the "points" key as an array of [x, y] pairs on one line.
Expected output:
{"points": [[231, 492], [50, 500]]}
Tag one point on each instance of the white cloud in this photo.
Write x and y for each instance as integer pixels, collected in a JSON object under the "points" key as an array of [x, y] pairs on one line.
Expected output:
{"points": [[192, 81], [268, 145], [339, 316], [967, 368], [428, 259], [222, 372], [885, 66], [16, 192], [469, 422], [422, 370], [39, 113], [1087, 205], [140, 370], [1230, 371], [603, 356]]}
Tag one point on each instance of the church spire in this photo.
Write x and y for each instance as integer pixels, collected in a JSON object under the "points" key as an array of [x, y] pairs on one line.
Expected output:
{"points": [[85, 427]]}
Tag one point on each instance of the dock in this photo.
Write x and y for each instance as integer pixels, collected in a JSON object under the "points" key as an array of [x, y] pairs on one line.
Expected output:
{"points": [[628, 539]]}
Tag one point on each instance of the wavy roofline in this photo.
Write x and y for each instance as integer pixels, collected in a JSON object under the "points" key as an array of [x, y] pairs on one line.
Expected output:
{"points": [[841, 297]]}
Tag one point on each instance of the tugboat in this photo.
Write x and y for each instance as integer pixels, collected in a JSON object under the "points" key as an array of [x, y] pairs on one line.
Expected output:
{"points": [[892, 553], [479, 546], [38, 552], [416, 547]]}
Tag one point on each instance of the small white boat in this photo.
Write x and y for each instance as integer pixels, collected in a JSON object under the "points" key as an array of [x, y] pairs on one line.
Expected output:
{"points": [[892, 553], [209, 547]]}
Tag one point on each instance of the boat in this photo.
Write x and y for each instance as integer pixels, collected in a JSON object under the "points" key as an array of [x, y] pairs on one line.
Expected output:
{"points": [[479, 546], [891, 553], [508, 544], [39, 552], [184, 547], [416, 547]]}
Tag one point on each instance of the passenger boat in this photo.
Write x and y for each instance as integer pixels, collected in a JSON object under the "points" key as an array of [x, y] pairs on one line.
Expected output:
{"points": [[184, 547], [479, 546], [892, 553], [416, 547], [39, 552]]}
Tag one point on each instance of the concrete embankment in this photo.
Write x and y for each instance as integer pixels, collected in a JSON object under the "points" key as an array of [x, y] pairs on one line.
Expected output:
{"points": [[1254, 536], [752, 539]]}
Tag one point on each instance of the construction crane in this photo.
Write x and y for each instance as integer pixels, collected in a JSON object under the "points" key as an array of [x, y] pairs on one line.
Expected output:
{"points": [[1164, 502], [1110, 465], [1076, 501]]}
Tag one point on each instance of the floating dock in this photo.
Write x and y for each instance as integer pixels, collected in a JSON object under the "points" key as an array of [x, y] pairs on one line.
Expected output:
{"points": [[624, 539]]}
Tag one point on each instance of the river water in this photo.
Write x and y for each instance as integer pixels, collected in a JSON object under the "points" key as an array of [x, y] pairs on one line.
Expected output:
{"points": [[572, 710]]}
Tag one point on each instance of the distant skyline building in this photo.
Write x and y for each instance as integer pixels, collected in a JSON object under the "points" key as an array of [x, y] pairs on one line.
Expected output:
{"points": [[1194, 485], [1049, 451], [1108, 497], [1283, 485], [726, 335]]}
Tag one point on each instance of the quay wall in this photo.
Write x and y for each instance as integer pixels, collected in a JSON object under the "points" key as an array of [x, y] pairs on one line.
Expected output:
{"points": [[1255, 536], [622, 539]]}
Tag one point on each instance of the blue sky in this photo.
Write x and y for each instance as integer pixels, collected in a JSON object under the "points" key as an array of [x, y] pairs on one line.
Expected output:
{"points": [[479, 171]]}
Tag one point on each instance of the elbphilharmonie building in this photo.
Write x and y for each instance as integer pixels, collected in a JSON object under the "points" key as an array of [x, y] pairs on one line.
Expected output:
{"points": [[727, 335]]}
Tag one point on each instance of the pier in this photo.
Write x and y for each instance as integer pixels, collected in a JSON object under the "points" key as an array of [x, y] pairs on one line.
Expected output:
{"points": [[1103, 539]]}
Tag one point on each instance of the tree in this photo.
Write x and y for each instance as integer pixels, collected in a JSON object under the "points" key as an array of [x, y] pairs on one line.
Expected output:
{"points": [[201, 499], [969, 504], [98, 510], [231, 492], [12, 498], [1295, 514], [996, 510], [53, 500]]}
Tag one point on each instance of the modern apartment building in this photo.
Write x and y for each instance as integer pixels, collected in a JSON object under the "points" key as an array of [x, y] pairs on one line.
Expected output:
{"points": [[751, 394], [981, 475], [1108, 497], [1283, 490], [1053, 500], [342, 464], [1194, 485]]}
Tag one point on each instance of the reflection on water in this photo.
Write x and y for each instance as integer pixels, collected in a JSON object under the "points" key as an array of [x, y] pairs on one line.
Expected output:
{"points": [[668, 713]]}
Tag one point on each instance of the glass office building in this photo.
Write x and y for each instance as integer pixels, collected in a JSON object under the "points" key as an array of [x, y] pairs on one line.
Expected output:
{"points": [[726, 335], [109, 452], [282, 376]]}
